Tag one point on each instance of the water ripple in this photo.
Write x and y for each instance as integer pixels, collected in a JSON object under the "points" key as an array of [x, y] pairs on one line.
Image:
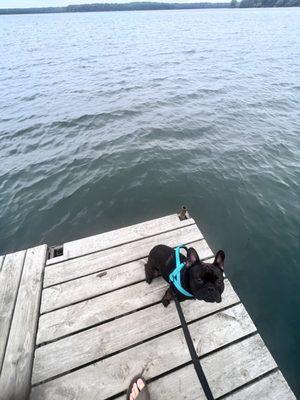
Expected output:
{"points": [[132, 114]]}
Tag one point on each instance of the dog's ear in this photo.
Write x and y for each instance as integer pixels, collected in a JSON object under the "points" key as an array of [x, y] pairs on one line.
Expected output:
{"points": [[219, 259], [192, 257]]}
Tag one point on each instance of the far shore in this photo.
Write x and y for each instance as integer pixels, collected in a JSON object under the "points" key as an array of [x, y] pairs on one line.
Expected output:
{"points": [[143, 6]]}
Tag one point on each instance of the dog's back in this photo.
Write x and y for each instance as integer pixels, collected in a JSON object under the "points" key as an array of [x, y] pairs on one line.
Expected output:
{"points": [[159, 256], [159, 262]]}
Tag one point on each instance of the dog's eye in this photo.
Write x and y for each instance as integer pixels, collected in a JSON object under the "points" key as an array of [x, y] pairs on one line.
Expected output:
{"points": [[199, 280]]}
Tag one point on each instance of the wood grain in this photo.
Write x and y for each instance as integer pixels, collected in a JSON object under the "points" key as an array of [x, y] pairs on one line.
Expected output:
{"points": [[80, 289], [152, 358], [225, 370], [122, 254], [117, 237], [10, 274], [84, 347], [272, 387], [16, 369], [85, 314]]}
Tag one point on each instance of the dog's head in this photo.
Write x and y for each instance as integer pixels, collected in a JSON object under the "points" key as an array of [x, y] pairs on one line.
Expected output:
{"points": [[206, 280]]}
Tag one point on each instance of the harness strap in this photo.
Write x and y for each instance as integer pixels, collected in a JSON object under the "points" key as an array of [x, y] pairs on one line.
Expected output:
{"points": [[193, 353], [174, 276], [177, 255]]}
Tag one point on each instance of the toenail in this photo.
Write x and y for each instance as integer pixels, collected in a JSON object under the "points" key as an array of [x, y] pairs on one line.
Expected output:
{"points": [[140, 384], [135, 389]]}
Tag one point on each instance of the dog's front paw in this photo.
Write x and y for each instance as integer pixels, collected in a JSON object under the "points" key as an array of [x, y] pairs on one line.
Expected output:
{"points": [[165, 302]]}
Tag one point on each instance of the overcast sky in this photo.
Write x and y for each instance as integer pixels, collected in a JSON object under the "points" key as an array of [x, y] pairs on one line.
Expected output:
{"points": [[49, 3]]}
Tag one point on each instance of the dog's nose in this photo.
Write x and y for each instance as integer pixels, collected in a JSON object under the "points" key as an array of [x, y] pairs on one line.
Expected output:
{"points": [[210, 289]]}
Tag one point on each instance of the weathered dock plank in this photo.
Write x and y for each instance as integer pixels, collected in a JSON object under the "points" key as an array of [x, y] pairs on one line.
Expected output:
{"points": [[240, 363], [120, 236], [99, 309], [17, 363], [99, 324], [70, 352], [271, 387], [170, 386], [225, 370], [125, 253], [208, 335], [76, 290], [10, 273]]}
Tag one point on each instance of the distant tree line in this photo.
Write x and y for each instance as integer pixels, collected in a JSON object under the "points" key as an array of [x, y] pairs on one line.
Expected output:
{"points": [[139, 6], [136, 6], [269, 3]]}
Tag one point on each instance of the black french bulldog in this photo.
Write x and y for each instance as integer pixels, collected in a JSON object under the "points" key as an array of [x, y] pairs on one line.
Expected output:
{"points": [[203, 280]]}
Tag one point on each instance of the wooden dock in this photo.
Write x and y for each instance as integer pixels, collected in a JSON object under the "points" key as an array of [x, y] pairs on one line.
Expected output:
{"points": [[80, 325]]}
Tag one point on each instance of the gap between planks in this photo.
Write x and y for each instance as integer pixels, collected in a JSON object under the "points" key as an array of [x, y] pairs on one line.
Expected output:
{"points": [[237, 365], [111, 239], [238, 362], [83, 288], [17, 363], [102, 308], [271, 386], [88, 264], [85, 347]]}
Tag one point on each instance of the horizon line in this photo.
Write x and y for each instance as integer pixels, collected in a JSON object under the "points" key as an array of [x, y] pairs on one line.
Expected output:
{"points": [[120, 4]]}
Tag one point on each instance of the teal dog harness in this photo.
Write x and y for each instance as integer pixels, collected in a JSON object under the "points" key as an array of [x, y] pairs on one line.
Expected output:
{"points": [[174, 276]]}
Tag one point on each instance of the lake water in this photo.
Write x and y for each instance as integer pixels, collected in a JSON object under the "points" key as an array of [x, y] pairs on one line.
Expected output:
{"points": [[108, 119]]}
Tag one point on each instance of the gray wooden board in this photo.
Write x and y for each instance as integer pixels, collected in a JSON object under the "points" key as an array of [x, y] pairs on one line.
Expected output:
{"points": [[85, 314], [16, 370], [10, 274], [90, 312], [225, 371], [122, 254], [112, 375], [121, 341], [182, 384], [271, 387], [84, 347], [80, 289], [117, 277], [117, 237], [245, 361]]}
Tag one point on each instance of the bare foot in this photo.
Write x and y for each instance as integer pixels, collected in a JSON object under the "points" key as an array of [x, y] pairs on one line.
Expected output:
{"points": [[136, 388]]}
